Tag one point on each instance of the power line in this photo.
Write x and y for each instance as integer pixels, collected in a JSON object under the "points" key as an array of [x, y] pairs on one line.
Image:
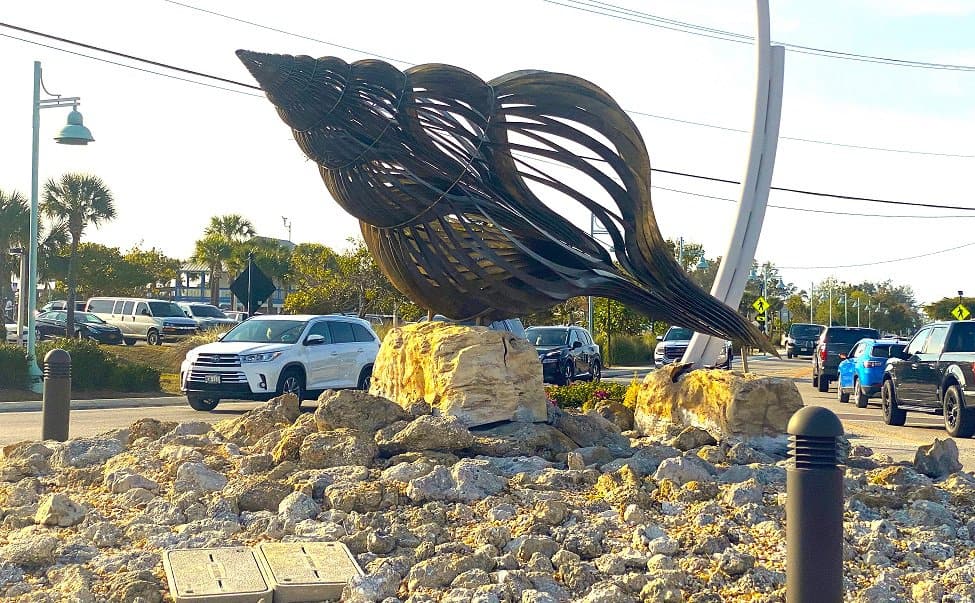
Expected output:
{"points": [[250, 86], [131, 57], [747, 39], [282, 31], [878, 262], [618, 12]]}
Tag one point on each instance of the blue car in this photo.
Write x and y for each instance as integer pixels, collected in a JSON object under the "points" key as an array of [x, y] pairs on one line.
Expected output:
{"points": [[861, 373]]}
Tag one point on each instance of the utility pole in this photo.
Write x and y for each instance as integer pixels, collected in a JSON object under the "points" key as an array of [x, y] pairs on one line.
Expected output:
{"points": [[830, 285], [812, 289], [287, 224]]}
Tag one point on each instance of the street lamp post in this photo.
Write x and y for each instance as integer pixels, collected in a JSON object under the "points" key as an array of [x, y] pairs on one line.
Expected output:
{"points": [[74, 133]]}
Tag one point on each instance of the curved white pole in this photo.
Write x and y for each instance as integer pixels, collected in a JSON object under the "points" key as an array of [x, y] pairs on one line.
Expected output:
{"points": [[729, 284]]}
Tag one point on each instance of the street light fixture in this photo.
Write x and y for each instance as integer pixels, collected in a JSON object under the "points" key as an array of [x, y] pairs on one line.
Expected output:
{"points": [[74, 133]]}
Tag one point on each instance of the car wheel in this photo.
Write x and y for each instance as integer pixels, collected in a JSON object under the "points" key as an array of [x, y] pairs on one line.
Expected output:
{"points": [[862, 398], [128, 341], [202, 402], [789, 354], [152, 337], [292, 382], [815, 377], [893, 415], [823, 384], [567, 374], [595, 372], [959, 421], [364, 378], [842, 397]]}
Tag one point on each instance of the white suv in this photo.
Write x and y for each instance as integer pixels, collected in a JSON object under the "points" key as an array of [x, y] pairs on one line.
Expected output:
{"points": [[270, 355]]}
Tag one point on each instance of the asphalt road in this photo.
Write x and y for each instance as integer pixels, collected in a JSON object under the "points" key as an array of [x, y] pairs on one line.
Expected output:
{"points": [[864, 426]]}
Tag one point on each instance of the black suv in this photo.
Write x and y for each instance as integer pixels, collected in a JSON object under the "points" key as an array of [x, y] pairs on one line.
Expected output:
{"points": [[566, 353], [833, 342], [934, 374], [802, 339]]}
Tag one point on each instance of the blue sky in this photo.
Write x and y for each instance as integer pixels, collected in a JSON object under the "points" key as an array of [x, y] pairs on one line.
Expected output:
{"points": [[175, 153]]}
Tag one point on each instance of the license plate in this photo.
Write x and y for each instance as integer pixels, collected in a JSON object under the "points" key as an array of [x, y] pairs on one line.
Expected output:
{"points": [[211, 379]]}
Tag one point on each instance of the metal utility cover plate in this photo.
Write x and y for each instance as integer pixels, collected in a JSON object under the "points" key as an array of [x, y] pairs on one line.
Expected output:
{"points": [[215, 575], [307, 571]]}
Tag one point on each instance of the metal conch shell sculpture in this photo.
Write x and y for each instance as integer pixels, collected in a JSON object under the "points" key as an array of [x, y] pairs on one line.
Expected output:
{"points": [[436, 165]]}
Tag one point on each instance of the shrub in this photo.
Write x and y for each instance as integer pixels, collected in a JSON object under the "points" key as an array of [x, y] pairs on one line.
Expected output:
{"points": [[94, 368], [627, 349], [13, 366], [175, 353], [584, 394]]}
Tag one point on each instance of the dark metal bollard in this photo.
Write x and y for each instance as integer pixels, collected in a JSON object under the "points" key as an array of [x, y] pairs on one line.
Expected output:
{"points": [[814, 509], [57, 396]]}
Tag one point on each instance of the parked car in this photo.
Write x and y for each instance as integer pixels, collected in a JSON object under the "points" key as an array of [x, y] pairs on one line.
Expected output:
{"points": [[206, 316], [511, 325], [11, 329], [60, 304], [833, 342], [266, 356], [566, 353], [235, 315], [934, 374], [86, 326], [672, 345], [861, 372], [801, 339], [152, 320]]}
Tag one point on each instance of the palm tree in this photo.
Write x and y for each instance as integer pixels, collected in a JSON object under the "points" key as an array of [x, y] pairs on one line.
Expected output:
{"points": [[233, 227], [14, 231], [212, 250], [77, 201]]}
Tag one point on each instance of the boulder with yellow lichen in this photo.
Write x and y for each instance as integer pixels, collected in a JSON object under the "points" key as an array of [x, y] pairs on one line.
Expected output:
{"points": [[478, 375], [725, 403]]}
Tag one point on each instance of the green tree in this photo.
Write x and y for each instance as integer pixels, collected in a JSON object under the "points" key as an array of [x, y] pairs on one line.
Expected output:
{"points": [[77, 201], [160, 270], [103, 270], [212, 250], [14, 232]]}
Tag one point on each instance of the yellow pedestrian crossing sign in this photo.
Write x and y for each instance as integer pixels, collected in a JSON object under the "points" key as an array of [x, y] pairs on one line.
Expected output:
{"points": [[961, 312], [760, 305]]}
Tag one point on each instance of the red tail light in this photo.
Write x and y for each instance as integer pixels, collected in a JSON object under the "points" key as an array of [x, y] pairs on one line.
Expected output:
{"points": [[822, 354]]}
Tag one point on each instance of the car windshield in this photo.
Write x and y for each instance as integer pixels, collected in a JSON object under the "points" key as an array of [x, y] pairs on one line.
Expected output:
{"points": [[547, 337], [267, 331], [678, 334], [805, 331], [892, 350], [163, 309], [850, 336], [88, 318], [207, 312]]}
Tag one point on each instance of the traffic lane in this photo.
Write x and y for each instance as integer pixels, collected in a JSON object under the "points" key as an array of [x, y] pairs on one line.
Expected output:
{"points": [[20, 426], [866, 426]]}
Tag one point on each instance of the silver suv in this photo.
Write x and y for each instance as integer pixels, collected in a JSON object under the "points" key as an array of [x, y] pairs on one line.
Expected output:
{"points": [[207, 316]]}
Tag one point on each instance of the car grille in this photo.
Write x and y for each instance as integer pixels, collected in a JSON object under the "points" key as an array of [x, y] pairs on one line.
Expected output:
{"points": [[217, 360], [674, 352], [225, 376]]}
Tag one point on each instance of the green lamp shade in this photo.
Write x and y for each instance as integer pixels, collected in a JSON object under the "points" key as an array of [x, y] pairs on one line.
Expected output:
{"points": [[75, 131]]}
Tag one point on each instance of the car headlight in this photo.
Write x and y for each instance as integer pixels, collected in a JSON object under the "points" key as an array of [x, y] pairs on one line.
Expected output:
{"points": [[659, 350], [550, 357], [262, 357]]}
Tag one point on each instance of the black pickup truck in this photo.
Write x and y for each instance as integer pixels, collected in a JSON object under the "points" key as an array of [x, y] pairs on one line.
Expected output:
{"points": [[934, 374]]}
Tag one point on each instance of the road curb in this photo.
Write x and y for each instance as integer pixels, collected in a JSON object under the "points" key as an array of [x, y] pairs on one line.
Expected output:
{"points": [[106, 403]]}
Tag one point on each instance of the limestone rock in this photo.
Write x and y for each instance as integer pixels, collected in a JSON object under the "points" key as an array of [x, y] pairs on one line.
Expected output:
{"points": [[683, 469], [356, 409], [522, 439], [59, 510], [617, 413], [35, 550], [591, 429], [86, 452], [691, 438], [476, 374], [251, 426], [262, 495], [443, 433], [937, 459], [722, 402], [337, 448], [292, 437], [199, 477]]}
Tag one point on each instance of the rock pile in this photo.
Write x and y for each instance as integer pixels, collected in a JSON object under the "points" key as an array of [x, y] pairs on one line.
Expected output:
{"points": [[434, 511]]}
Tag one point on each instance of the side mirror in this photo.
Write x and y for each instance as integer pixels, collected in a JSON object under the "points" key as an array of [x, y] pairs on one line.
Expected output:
{"points": [[314, 340], [660, 337], [576, 345]]}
